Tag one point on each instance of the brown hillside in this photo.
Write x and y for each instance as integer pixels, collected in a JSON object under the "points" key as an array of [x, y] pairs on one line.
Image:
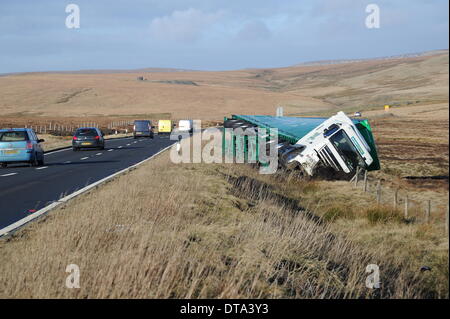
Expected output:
{"points": [[211, 95]]}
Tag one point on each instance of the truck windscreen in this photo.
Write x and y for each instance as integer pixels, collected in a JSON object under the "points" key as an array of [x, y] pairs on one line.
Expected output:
{"points": [[347, 150]]}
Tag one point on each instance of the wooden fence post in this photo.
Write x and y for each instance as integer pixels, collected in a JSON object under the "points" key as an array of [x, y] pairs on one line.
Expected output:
{"points": [[396, 198], [446, 222], [356, 176], [428, 211], [365, 181], [406, 207], [379, 192]]}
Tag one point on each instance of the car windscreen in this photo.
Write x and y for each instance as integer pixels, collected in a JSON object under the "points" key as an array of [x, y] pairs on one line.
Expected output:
{"points": [[86, 132], [142, 126], [347, 150], [13, 136]]}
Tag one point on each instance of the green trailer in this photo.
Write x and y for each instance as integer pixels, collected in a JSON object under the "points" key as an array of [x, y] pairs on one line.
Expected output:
{"points": [[338, 141]]}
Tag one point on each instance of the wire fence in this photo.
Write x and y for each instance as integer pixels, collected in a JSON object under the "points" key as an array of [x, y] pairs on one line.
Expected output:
{"points": [[64, 129], [413, 209]]}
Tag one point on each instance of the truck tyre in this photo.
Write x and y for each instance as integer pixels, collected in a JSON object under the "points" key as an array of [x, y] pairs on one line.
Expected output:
{"points": [[229, 123], [237, 124]]}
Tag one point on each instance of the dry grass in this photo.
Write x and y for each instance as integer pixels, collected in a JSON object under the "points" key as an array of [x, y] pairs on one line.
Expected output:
{"points": [[214, 231], [383, 215], [53, 142], [412, 141]]}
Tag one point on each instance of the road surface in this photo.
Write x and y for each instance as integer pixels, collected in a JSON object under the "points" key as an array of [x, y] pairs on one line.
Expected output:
{"points": [[24, 189]]}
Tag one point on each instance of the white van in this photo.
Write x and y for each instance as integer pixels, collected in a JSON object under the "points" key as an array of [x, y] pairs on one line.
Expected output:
{"points": [[185, 126]]}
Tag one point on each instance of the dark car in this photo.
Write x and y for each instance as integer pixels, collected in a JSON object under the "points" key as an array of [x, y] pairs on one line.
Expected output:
{"points": [[88, 137], [142, 128], [20, 145]]}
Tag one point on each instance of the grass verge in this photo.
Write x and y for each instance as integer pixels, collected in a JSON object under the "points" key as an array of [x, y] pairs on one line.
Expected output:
{"points": [[215, 231]]}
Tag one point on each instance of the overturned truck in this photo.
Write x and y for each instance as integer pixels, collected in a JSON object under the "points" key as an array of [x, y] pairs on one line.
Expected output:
{"points": [[331, 146]]}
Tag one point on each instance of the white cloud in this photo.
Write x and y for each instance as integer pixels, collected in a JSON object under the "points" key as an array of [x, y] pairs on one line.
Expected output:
{"points": [[186, 26], [254, 31]]}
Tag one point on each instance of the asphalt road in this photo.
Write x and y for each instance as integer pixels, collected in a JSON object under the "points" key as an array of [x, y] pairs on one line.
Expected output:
{"points": [[25, 189]]}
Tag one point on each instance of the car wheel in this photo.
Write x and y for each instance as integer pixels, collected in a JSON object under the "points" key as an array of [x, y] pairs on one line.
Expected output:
{"points": [[34, 162], [4, 165], [41, 162]]}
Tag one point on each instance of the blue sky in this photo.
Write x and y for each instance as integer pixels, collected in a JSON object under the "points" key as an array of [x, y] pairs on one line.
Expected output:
{"points": [[211, 34]]}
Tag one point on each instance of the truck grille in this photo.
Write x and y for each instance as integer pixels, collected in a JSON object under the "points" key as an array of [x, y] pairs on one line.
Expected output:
{"points": [[328, 158]]}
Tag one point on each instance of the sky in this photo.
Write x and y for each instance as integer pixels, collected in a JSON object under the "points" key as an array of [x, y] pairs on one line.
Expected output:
{"points": [[212, 34]]}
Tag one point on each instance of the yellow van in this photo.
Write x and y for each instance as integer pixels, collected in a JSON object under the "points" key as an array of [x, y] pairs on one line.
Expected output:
{"points": [[164, 126]]}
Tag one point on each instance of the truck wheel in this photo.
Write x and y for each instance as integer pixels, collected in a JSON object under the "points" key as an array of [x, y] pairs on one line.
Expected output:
{"points": [[229, 123], [237, 124]]}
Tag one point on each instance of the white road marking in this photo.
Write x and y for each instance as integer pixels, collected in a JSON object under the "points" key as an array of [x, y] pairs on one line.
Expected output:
{"points": [[68, 162], [110, 150], [128, 144], [120, 147], [44, 167], [10, 174], [63, 150], [98, 154], [68, 148], [34, 215], [84, 158]]}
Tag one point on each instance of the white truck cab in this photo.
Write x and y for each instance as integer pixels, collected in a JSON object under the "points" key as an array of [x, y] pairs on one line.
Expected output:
{"points": [[336, 143]]}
